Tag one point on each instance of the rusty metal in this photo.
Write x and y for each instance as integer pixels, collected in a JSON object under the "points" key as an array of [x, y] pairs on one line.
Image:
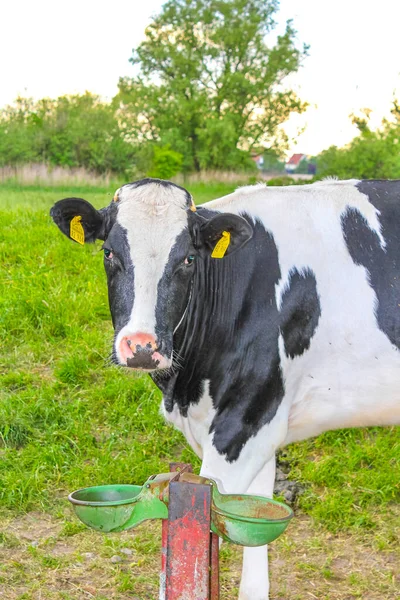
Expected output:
{"points": [[164, 542], [180, 467], [214, 567], [174, 467], [188, 546]]}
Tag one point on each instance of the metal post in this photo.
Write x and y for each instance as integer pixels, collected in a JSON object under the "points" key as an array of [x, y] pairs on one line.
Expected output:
{"points": [[188, 545], [214, 568], [174, 467]]}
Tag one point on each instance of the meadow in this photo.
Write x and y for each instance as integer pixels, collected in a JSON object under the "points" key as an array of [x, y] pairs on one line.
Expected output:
{"points": [[68, 419]]}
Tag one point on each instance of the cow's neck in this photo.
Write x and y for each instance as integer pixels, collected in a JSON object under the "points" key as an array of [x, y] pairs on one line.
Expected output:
{"points": [[230, 338]]}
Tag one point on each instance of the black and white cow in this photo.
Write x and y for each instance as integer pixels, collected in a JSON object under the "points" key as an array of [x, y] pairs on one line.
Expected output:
{"points": [[295, 331]]}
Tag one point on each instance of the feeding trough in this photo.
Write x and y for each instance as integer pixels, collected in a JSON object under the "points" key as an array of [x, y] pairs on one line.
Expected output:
{"points": [[191, 507], [240, 519]]}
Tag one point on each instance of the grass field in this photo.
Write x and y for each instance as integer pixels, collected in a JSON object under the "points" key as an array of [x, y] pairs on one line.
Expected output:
{"points": [[69, 419]]}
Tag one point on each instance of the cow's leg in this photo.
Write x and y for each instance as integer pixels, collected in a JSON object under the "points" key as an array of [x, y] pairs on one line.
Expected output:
{"points": [[255, 582], [241, 477]]}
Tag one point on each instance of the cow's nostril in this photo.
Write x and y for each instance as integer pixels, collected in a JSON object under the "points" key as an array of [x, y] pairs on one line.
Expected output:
{"points": [[139, 347]]}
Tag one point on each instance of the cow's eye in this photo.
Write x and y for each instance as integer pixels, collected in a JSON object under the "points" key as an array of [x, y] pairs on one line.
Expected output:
{"points": [[189, 259], [108, 253]]}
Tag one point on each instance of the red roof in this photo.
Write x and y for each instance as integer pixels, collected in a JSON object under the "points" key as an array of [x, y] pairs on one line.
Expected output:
{"points": [[295, 159]]}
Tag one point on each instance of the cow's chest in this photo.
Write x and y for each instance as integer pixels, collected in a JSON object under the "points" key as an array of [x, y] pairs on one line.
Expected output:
{"points": [[196, 425]]}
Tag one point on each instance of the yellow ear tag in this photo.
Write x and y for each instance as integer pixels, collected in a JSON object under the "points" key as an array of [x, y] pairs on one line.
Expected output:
{"points": [[76, 231], [222, 245]]}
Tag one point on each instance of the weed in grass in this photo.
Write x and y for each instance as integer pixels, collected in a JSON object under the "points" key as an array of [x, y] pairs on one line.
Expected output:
{"points": [[8, 540], [71, 528], [125, 582]]}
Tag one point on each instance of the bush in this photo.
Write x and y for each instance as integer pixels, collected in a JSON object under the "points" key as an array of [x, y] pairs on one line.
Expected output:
{"points": [[370, 155], [70, 131], [166, 163]]}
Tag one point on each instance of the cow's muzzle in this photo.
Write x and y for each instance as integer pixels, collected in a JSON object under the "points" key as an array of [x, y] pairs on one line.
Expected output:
{"points": [[139, 351]]}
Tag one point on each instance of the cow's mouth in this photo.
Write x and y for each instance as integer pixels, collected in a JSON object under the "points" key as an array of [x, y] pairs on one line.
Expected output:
{"points": [[147, 361], [143, 361]]}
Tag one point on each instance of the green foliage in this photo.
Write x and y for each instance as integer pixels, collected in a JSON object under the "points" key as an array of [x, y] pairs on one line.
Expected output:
{"points": [[209, 85], [166, 163], [302, 167], [273, 162], [71, 131], [370, 155]]}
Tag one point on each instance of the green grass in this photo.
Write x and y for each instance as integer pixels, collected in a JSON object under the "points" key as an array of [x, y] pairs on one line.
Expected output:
{"points": [[69, 419], [354, 475]]}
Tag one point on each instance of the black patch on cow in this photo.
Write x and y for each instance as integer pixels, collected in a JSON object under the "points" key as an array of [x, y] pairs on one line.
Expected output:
{"points": [[120, 277], [173, 292], [382, 264], [143, 359], [300, 312], [230, 337]]}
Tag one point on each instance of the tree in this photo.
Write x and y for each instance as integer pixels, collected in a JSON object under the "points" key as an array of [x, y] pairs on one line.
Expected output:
{"points": [[370, 155], [208, 84]]}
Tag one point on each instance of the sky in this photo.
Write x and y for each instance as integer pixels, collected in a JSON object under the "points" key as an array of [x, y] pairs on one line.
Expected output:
{"points": [[50, 48]]}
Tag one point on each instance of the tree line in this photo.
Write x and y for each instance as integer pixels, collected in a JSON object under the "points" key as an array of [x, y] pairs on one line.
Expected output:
{"points": [[209, 91], [370, 155], [209, 88]]}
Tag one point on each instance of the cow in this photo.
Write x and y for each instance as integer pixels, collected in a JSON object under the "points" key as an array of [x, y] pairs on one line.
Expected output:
{"points": [[265, 317]]}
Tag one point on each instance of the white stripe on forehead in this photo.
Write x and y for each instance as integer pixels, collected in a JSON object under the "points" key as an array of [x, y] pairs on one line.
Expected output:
{"points": [[153, 216]]}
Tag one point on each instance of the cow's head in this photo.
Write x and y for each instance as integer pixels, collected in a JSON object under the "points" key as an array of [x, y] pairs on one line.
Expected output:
{"points": [[153, 237]]}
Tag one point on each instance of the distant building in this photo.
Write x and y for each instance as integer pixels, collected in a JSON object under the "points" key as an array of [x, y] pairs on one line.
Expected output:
{"points": [[294, 161]]}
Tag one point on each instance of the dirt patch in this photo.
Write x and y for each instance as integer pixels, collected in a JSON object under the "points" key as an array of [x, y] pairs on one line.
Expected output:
{"points": [[34, 526], [316, 564], [39, 562]]}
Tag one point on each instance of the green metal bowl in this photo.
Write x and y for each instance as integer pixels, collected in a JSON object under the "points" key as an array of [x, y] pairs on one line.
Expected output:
{"points": [[248, 520], [106, 507]]}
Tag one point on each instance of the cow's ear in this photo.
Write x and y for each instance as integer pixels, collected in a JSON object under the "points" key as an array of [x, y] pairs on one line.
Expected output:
{"points": [[224, 234], [79, 220]]}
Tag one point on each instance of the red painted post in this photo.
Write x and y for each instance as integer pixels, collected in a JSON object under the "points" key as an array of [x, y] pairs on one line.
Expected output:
{"points": [[173, 467], [188, 547]]}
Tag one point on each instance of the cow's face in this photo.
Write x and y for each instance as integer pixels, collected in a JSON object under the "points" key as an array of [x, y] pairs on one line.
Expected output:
{"points": [[152, 239]]}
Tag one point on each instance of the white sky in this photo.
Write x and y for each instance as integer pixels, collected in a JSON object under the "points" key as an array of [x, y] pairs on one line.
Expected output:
{"points": [[50, 48]]}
